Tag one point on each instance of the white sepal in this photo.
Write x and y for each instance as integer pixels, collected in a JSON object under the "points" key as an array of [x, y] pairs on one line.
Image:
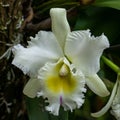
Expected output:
{"points": [[97, 85], [60, 26], [32, 87]]}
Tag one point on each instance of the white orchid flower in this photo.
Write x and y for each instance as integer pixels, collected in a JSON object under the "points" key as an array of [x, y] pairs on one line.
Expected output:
{"points": [[114, 102], [60, 63]]}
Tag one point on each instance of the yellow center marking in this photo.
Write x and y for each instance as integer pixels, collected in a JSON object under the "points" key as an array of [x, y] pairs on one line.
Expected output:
{"points": [[56, 83]]}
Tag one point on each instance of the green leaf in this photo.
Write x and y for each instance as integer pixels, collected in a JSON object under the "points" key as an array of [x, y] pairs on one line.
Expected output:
{"points": [[108, 3], [35, 109]]}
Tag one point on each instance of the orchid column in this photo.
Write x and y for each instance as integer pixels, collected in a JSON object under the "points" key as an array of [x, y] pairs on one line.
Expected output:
{"points": [[60, 63]]}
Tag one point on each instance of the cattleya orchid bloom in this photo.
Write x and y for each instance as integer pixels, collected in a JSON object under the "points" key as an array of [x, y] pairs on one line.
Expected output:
{"points": [[60, 63], [114, 102]]}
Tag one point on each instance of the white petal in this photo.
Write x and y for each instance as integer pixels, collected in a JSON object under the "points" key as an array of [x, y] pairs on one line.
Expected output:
{"points": [[57, 92], [75, 100], [116, 103], [108, 105], [53, 108], [44, 47], [60, 26], [97, 85], [32, 87], [85, 50], [116, 111], [69, 105]]}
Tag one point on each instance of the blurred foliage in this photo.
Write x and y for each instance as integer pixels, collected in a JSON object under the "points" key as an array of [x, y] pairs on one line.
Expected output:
{"points": [[108, 3], [45, 7], [100, 16]]}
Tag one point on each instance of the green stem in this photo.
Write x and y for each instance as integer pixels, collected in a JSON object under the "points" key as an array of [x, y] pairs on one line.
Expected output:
{"points": [[109, 63]]}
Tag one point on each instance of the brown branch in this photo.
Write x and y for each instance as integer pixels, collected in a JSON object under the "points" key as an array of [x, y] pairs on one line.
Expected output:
{"points": [[43, 25], [28, 19], [86, 2], [27, 13]]}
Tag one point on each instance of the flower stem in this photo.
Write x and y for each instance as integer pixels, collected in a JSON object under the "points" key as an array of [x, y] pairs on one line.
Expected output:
{"points": [[112, 65]]}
